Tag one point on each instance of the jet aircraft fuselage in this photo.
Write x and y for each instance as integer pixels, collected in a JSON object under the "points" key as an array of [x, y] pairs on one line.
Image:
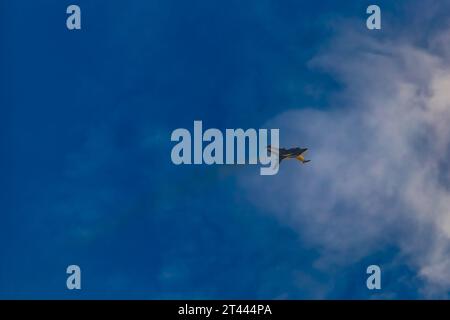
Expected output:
{"points": [[293, 153]]}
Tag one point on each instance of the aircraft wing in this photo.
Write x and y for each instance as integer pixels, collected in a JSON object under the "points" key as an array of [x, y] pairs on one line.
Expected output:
{"points": [[298, 151]]}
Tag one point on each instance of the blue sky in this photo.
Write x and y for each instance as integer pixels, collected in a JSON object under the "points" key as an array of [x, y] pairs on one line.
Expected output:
{"points": [[85, 149]]}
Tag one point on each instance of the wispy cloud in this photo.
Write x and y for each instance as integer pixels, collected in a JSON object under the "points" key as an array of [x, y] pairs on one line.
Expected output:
{"points": [[380, 172]]}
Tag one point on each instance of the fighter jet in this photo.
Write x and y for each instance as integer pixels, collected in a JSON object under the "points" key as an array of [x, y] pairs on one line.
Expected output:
{"points": [[293, 153]]}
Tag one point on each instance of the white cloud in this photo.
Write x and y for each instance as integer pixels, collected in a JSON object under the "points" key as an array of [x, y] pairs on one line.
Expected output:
{"points": [[380, 171]]}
